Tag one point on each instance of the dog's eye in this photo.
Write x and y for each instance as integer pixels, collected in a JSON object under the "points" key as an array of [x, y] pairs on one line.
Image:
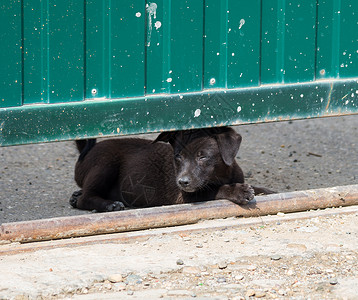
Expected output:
{"points": [[202, 157], [177, 157]]}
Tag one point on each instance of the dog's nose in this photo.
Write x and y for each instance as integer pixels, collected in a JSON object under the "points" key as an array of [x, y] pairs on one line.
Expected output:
{"points": [[184, 181]]}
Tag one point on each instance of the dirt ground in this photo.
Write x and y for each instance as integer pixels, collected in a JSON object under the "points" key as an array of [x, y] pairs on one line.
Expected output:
{"points": [[308, 255], [36, 181]]}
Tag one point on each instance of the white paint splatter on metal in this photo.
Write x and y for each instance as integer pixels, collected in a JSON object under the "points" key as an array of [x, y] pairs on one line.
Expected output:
{"points": [[242, 22], [157, 25], [152, 14], [197, 113]]}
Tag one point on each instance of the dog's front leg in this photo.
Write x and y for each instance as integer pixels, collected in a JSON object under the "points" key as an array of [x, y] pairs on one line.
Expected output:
{"points": [[94, 202], [239, 193]]}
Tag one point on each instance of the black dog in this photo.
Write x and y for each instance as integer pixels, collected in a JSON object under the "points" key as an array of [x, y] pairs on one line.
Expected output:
{"points": [[198, 165]]}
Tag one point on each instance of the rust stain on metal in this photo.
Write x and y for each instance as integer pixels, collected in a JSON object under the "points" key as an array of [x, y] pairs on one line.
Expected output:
{"points": [[165, 216], [329, 97]]}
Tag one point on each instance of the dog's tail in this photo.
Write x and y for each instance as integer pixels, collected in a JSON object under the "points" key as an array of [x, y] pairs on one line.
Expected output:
{"points": [[84, 146]]}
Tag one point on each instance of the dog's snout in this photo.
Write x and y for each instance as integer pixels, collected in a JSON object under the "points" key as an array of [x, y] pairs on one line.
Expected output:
{"points": [[184, 181]]}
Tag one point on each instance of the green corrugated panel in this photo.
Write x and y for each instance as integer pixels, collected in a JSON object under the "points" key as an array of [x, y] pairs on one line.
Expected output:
{"points": [[115, 48], [66, 50], [328, 38], [158, 45], [97, 49], [273, 43], [10, 54], [215, 57], [53, 51], [232, 43], [36, 51], [288, 41], [174, 44], [126, 48], [337, 39], [243, 43], [186, 46], [349, 39]]}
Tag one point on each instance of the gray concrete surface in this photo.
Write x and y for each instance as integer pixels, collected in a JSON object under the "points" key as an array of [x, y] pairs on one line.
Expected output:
{"points": [[36, 181]]}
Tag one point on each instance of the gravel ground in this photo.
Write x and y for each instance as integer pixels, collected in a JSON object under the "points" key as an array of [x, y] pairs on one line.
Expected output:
{"points": [[36, 181], [273, 258]]}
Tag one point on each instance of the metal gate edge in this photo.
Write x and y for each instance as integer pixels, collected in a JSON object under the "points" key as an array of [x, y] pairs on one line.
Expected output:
{"points": [[112, 117]]}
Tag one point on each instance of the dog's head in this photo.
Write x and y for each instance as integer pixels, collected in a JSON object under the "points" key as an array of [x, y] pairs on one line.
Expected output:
{"points": [[202, 156]]}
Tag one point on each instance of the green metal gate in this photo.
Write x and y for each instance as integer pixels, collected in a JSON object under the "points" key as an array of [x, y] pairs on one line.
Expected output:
{"points": [[74, 69]]}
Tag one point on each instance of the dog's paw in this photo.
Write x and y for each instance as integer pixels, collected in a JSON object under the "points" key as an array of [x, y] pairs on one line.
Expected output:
{"points": [[115, 206], [239, 193], [248, 193], [74, 198]]}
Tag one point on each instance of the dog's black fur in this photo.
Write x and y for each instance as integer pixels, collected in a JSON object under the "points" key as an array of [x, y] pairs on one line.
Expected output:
{"points": [[198, 165]]}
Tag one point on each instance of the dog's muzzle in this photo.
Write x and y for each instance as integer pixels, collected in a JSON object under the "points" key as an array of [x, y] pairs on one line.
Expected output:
{"points": [[185, 184]]}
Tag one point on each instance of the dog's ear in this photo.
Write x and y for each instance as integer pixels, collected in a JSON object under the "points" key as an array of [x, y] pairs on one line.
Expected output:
{"points": [[229, 143], [167, 137]]}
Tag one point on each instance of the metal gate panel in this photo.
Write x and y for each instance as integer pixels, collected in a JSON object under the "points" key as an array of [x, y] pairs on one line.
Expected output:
{"points": [[76, 69], [232, 44], [328, 39], [349, 39], [243, 43], [126, 48], [216, 54], [97, 49], [10, 54], [288, 41], [337, 39], [66, 51], [174, 46], [158, 45], [186, 46], [53, 62], [36, 52]]}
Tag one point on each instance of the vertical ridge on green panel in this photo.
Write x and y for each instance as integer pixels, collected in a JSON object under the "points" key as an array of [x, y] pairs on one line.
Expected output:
{"points": [[66, 52], [288, 41], [36, 50], [273, 41], [97, 32], [10, 53], [244, 25], [126, 53], [186, 49], [300, 41], [328, 38], [158, 29], [215, 37], [349, 39]]}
